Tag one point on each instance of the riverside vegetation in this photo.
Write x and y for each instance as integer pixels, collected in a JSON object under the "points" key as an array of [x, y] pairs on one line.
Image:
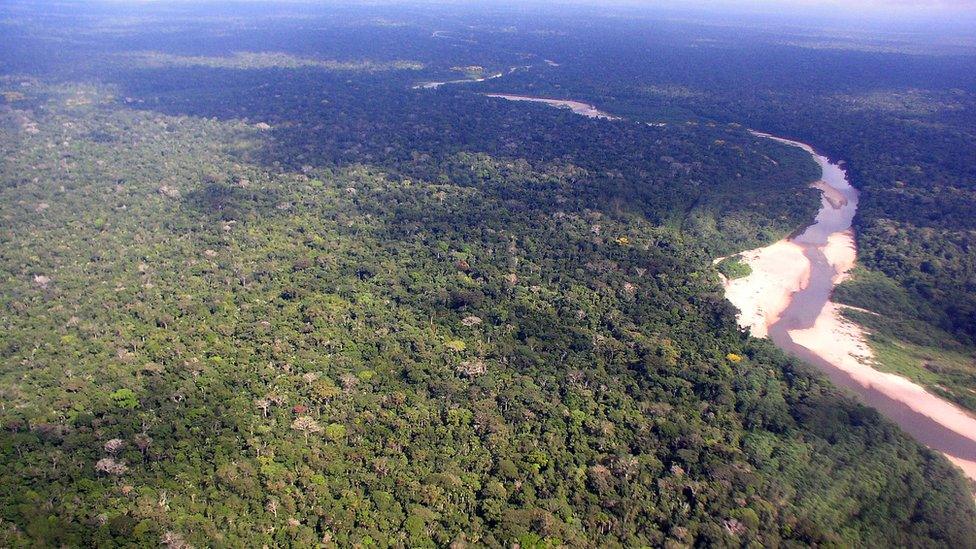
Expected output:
{"points": [[306, 304], [903, 123]]}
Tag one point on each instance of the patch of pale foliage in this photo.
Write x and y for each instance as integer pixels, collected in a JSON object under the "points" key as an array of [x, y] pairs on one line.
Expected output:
{"points": [[266, 60]]}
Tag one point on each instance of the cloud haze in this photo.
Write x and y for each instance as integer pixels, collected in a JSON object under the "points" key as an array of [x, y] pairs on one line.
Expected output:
{"points": [[877, 6]]}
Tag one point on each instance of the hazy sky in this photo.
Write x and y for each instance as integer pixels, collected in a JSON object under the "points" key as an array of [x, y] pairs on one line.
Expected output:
{"points": [[875, 4], [769, 4], [924, 13], [838, 5]]}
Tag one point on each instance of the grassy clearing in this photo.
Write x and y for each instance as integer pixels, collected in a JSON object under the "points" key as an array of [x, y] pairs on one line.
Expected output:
{"points": [[906, 340]]}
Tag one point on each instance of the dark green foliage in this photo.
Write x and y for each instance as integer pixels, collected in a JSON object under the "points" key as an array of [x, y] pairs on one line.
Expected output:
{"points": [[733, 267], [317, 361], [902, 124], [907, 338], [397, 318]]}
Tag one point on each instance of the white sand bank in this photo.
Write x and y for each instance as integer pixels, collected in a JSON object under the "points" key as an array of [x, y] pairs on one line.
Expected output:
{"points": [[778, 271], [782, 269]]}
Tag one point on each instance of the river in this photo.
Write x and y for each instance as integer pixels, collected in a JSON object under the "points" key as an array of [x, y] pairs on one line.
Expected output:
{"points": [[813, 328], [578, 107], [787, 298]]}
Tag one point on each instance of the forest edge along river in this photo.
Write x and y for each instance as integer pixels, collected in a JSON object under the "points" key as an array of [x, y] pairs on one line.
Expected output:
{"points": [[787, 299]]}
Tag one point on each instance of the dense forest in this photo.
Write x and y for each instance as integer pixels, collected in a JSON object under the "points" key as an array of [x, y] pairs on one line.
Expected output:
{"points": [[902, 122], [286, 298]]}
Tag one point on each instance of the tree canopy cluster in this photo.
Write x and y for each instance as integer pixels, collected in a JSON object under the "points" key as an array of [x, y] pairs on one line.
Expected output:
{"points": [[290, 306]]}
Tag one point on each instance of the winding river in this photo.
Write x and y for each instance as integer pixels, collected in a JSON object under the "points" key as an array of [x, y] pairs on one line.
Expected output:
{"points": [[787, 298], [805, 322], [578, 107]]}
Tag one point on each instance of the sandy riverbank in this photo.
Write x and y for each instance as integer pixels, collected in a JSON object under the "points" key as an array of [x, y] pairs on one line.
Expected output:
{"points": [[435, 85], [843, 344], [832, 195], [578, 107], [778, 271], [841, 253], [786, 297]]}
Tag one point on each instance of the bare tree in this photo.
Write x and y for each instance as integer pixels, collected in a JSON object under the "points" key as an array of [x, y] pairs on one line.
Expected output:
{"points": [[306, 425], [143, 441], [114, 446], [263, 404], [173, 540], [272, 507], [110, 467]]}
